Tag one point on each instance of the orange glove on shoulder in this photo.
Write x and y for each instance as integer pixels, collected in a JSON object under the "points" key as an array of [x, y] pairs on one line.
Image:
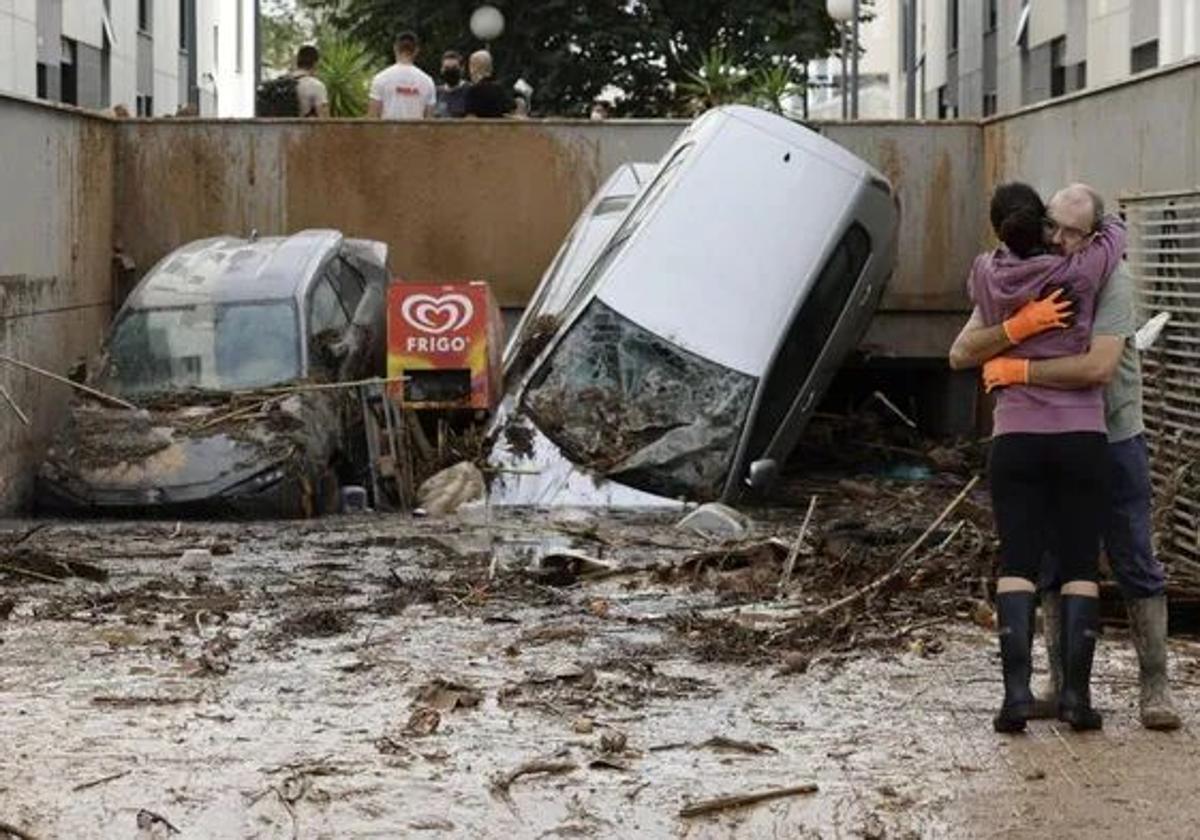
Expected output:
{"points": [[1003, 371], [1037, 316]]}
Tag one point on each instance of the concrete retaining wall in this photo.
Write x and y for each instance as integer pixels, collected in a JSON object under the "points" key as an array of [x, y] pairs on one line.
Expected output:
{"points": [[56, 229]]}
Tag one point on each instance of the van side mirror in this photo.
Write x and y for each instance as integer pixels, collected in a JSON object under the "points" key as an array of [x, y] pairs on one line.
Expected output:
{"points": [[762, 474]]}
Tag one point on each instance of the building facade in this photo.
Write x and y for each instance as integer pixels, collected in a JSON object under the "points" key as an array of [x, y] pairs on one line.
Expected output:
{"points": [[154, 57], [975, 58]]}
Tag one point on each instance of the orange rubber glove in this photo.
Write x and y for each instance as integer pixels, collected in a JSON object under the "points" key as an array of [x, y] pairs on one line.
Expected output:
{"points": [[1003, 371], [1037, 316]]}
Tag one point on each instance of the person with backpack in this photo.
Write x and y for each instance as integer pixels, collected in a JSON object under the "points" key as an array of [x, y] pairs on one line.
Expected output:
{"points": [[296, 94]]}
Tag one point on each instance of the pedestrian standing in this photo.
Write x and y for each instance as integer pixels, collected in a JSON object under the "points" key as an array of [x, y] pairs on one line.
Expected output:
{"points": [[452, 92], [403, 91], [487, 98], [311, 94]]}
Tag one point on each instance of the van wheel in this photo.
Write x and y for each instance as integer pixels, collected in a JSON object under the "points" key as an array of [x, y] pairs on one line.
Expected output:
{"points": [[329, 493]]}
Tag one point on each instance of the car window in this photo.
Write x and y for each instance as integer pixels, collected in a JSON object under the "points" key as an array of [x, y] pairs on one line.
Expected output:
{"points": [[807, 335], [347, 282], [326, 312]]}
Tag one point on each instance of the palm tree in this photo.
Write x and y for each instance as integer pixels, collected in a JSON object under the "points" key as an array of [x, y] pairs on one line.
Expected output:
{"points": [[715, 81], [772, 86], [346, 69]]}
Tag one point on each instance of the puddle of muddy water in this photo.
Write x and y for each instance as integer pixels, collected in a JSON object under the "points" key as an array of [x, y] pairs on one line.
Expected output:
{"points": [[283, 691]]}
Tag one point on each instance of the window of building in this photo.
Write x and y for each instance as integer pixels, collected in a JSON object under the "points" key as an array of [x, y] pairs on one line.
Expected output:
{"points": [[1144, 57], [952, 24], [993, 15], [145, 15], [1021, 38], [989, 104], [241, 33], [1058, 70], [183, 25], [216, 48], [69, 77], [42, 82], [145, 105], [946, 111], [1080, 76]]}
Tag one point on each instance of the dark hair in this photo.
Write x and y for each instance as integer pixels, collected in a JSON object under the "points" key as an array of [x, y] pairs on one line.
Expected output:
{"points": [[452, 55], [1018, 218], [407, 42], [307, 57]]}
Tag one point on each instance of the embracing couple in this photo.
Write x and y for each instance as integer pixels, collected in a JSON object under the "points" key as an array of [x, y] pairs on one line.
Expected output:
{"points": [[1053, 328]]}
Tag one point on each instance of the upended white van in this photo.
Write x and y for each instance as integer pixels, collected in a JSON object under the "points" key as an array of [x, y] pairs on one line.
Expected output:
{"points": [[690, 356]]}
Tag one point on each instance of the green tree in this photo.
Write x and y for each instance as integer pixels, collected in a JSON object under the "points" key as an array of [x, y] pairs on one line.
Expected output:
{"points": [[346, 69], [572, 50]]}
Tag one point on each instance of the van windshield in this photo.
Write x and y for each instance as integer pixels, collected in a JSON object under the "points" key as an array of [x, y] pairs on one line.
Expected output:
{"points": [[207, 347], [631, 406]]}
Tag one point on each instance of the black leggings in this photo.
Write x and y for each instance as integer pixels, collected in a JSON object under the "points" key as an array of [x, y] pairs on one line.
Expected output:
{"points": [[1049, 493]]}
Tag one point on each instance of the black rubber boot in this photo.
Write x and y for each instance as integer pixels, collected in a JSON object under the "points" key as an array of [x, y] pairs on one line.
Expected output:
{"points": [[1014, 614], [1080, 624]]}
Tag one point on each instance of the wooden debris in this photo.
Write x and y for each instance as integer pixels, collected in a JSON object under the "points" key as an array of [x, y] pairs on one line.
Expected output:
{"points": [[500, 784], [13, 405], [898, 567], [790, 564], [13, 831], [904, 418], [100, 395], [724, 803], [101, 781]]}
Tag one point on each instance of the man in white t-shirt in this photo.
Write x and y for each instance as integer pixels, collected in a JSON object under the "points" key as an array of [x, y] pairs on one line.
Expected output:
{"points": [[311, 94], [403, 91]]}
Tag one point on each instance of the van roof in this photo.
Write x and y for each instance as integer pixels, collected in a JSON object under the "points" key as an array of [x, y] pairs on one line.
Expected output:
{"points": [[228, 269]]}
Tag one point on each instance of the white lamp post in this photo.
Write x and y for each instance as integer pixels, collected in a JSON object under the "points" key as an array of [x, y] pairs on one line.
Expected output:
{"points": [[487, 23], [843, 11]]}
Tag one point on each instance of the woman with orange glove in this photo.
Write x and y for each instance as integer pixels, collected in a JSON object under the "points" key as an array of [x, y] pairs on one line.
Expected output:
{"points": [[1047, 465]]}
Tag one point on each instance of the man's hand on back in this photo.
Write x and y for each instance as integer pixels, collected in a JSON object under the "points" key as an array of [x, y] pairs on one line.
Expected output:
{"points": [[1050, 313], [1003, 371]]}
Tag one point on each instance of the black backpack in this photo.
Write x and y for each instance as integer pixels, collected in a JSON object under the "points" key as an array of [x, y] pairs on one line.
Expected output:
{"points": [[277, 98]]}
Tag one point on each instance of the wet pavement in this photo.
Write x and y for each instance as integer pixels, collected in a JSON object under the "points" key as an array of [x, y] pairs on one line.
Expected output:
{"points": [[387, 677]]}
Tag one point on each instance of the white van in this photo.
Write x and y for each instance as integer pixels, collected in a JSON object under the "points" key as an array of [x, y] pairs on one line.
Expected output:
{"points": [[690, 357]]}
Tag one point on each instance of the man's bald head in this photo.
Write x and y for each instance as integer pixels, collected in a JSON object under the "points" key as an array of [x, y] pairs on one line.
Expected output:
{"points": [[480, 65], [1076, 211]]}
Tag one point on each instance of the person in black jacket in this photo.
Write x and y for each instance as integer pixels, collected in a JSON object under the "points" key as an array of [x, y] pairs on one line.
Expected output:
{"points": [[487, 98]]}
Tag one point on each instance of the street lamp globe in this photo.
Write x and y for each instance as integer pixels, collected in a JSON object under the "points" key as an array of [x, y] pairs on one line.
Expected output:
{"points": [[487, 23], [840, 10]]}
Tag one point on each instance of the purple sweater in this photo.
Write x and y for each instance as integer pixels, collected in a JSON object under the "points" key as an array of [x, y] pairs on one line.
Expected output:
{"points": [[1001, 283]]}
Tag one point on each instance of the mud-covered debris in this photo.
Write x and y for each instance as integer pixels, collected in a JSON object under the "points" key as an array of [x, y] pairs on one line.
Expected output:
{"points": [[716, 521], [500, 784], [565, 568], [447, 491], [741, 800], [448, 695], [583, 725], [316, 624], [519, 439], [422, 722], [37, 564], [613, 742], [7, 605], [770, 552], [152, 825]]}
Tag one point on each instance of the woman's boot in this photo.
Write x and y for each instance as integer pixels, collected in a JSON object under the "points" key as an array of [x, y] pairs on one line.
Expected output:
{"points": [[1080, 624], [1014, 614]]}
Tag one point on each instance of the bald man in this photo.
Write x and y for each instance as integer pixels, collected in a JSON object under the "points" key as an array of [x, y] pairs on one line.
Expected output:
{"points": [[1074, 213], [486, 98]]}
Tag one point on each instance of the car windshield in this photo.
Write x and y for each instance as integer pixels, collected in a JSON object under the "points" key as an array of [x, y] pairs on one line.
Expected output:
{"points": [[228, 347], [634, 407]]}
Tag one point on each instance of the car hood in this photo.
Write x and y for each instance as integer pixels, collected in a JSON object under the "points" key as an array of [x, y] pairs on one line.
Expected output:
{"points": [[102, 450]]}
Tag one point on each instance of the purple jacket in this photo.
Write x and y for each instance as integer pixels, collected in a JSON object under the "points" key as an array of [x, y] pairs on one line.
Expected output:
{"points": [[1001, 283]]}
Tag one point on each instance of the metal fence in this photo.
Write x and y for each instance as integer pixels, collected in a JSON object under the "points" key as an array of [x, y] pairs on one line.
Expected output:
{"points": [[1164, 256]]}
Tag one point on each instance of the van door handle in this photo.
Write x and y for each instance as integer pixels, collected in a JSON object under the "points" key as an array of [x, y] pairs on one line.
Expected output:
{"points": [[808, 401], [866, 297]]}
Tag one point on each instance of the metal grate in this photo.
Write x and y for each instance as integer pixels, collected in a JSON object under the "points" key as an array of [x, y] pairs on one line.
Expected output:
{"points": [[1164, 256]]}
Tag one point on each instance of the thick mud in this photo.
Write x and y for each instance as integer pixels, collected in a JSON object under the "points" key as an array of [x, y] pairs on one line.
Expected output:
{"points": [[389, 677]]}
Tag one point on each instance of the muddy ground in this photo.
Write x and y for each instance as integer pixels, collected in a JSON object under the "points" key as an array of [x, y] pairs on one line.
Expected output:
{"points": [[381, 676]]}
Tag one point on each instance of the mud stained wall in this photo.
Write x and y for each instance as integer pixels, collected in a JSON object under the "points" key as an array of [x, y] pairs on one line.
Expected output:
{"points": [[56, 226], [463, 200], [1134, 136]]}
